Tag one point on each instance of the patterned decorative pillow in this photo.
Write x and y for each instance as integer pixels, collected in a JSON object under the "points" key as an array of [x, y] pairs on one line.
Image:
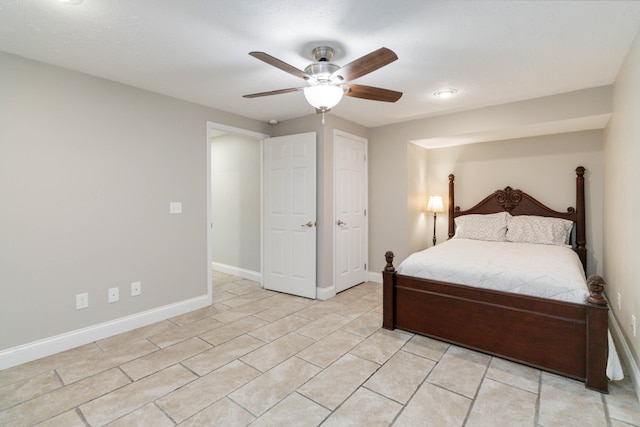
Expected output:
{"points": [[539, 229], [489, 227]]}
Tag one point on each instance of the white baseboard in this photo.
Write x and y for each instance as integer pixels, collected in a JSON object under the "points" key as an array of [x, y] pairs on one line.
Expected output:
{"points": [[325, 293], [375, 277], [621, 345], [48, 346], [256, 276]]}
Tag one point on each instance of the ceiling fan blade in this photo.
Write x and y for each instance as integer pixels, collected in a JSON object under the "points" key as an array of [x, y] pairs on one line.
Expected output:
{"points": [[273, 92], [372, 93], [366, 64], [280, 64]]}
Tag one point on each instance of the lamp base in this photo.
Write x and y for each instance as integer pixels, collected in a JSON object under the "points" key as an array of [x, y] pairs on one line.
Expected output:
{"points": [[434, 229]]}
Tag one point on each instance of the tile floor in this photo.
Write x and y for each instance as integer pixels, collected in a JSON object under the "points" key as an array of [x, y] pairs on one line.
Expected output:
{"points": [[261, 358]]}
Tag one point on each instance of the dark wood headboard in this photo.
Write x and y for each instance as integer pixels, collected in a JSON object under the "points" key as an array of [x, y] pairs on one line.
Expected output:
{"points": [[518, 202]]}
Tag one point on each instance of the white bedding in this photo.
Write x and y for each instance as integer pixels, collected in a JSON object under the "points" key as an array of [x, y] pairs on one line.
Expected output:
{"points": [[546, 271]]}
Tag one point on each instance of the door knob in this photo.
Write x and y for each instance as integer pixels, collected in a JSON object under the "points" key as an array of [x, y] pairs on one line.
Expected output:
{"points": [[340, 222], [309, 224]]}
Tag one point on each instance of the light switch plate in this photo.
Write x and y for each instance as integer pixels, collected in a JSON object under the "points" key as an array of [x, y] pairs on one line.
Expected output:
{"points": [[175, 207]]}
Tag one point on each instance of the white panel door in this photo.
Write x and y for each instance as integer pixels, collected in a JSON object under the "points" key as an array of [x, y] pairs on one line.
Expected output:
{"points": [[290, 214], [350, 192]]}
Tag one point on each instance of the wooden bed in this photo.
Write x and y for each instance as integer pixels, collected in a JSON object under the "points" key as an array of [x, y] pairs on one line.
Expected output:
{"points": [[564, 338]]}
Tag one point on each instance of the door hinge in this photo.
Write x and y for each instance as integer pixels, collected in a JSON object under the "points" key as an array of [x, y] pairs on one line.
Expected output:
{"points": [[365, 158], [365, 212], [365, 266]]}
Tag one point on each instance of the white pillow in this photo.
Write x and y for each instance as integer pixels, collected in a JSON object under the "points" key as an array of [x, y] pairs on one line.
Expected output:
{"points": [[539, 229], [489, 227]]}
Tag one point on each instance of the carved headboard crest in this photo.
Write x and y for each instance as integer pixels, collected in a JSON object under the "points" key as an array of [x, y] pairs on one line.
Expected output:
{"points": [[508, 198]]}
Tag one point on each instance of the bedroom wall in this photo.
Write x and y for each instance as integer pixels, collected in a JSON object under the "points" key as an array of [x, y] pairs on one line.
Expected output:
{"points": [[88, 168], [542, 166], [419, 221], [622, 203], [389, 151], [235, 201]]}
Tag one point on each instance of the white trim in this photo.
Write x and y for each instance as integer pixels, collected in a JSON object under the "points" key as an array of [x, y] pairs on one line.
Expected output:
{"points": [[365, 184], [325, 293], [216, 128], [51, 345], [209, 225], [237, 271], [625, 353], [375, 277], [234, 130]]}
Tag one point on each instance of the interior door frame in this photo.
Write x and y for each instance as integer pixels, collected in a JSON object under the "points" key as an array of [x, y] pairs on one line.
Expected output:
{"points": [[365, 183], [214, 128]]}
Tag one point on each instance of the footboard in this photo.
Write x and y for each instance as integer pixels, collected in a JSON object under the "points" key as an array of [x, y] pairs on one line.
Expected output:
{"points": [[564, 338]]}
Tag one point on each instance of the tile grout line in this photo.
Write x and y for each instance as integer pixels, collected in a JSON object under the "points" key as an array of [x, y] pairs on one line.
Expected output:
{"points": [[475, 395]]}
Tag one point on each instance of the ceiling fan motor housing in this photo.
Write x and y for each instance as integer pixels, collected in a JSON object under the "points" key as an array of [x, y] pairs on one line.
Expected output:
{"points": [[321, 71]]}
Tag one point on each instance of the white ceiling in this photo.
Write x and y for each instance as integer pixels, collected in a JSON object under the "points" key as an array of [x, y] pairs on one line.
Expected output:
{"points": [[493, 52]]}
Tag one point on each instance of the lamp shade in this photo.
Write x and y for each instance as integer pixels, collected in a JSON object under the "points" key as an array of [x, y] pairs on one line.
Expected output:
{"points": [[323, 96], [435, 204]]}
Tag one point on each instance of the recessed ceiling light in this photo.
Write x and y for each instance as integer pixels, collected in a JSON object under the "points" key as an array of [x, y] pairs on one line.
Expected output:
{"points": [[445, 93], [73, 2]]}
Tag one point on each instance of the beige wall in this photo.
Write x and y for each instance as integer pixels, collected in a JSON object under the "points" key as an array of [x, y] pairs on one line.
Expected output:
{"points": [[542, 166], [622, 201], [235, 201], [388, 198], [419, 221], [88, 168], [534, 165], [392, 202], [561, 113]]}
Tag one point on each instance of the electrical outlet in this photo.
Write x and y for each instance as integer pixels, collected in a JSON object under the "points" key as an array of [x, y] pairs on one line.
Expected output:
{"points": [[633, 325], [619, 302], [136, 289], [113, 295], [82, 301]]}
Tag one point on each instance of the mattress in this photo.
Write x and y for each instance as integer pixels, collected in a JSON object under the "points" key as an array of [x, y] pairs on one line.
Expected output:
{"points": [[546, 271]]}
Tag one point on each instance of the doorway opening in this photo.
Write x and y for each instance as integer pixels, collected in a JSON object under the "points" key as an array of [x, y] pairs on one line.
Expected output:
{"points": [[234, 202]]}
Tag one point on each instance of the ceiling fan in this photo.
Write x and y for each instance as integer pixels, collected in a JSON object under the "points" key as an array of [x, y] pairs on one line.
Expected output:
{"points": [[328, 82]]}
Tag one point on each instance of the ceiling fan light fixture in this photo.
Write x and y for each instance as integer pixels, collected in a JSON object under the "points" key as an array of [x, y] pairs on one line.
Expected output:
{"points": [[323, 96]]}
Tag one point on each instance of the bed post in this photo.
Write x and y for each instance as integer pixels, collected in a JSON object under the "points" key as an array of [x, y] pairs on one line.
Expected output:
{"points": [[597, 338], [451, 206], [388, 293], [581, 239]]}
